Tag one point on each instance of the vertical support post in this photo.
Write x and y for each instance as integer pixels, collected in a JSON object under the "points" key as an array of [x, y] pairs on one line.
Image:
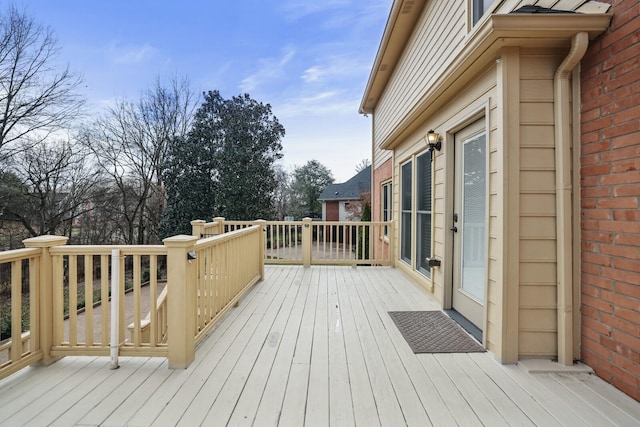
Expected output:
{"points": [[307, 241], [219, 228], [197, 228], [263, 245], [181, 300], [115, 307], [45, 289], [392, 242]]}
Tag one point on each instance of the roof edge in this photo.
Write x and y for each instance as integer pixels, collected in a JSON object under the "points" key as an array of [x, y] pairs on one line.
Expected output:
{"points": [[402, 20]]}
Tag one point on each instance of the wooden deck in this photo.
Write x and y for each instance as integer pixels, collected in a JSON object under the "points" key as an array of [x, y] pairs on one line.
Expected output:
{"points": [[312, 347]]}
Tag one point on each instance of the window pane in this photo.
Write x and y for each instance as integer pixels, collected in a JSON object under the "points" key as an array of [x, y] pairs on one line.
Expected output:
{"points": [[423, 235], [423, 245], [406, 237], [406, 186], [390, 205], [385, 202], [479, 9], [423, 171], [474, 217], [405, 242]]}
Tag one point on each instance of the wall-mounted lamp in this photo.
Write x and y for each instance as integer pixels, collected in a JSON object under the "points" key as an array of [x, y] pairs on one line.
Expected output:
{"points": [[433, 141]]}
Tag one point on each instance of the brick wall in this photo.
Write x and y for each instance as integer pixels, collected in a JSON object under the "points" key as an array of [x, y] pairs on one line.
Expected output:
{"points": [[610, 177], [381, 174]]}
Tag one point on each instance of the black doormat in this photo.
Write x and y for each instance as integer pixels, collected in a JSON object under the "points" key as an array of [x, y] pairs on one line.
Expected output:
{"points": [[433, 332]]}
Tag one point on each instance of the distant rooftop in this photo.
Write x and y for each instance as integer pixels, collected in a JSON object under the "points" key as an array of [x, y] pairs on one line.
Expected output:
{"points": [[349, 190]]}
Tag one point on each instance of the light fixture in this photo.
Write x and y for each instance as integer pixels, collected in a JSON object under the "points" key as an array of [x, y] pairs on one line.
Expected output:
{"points": [[433, 141]]}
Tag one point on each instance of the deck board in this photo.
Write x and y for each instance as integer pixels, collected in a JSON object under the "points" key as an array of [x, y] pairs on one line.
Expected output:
{"points": [[311, 347]]}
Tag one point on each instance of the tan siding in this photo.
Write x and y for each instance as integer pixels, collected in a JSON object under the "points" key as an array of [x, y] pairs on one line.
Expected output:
{"points": [[438, 37], [538, 344], [381, 156], [538, 316], [447, 120], [495, 279]]}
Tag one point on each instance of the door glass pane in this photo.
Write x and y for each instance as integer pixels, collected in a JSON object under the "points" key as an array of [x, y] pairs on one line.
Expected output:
{"points": [[474, 217]]}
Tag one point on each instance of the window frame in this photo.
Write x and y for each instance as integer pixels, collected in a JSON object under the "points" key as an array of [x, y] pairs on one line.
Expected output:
{"points": [[422, 159], [478, 9], [410, 227], [386, 208], [406, 215]]}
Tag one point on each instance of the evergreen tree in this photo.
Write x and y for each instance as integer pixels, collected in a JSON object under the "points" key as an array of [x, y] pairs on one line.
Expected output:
{"points": [[309, 181], [225, 167]]}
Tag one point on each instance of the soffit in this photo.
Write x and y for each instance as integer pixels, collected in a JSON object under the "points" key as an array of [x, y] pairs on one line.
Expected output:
{"points": [[400, 25]]}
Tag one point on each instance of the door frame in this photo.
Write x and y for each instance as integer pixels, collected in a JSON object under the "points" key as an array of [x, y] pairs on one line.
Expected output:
{"points": [[472, 307], [454, 125]]}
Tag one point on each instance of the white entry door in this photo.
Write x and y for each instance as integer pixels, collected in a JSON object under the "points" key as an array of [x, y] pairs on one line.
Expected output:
{"points": [[469, 223]]}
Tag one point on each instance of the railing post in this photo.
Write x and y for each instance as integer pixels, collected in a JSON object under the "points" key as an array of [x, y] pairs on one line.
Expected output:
{"points": [[45, 299], [181, 300], [219, 228], [263, 245], [197, 228], [307, 241], [392, 242]]}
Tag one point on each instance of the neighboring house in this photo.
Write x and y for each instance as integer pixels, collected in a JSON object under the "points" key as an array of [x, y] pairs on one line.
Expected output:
{"points": [[488, 219], [336, 198]]}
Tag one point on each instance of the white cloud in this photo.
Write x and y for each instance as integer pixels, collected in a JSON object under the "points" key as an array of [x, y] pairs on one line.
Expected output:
{"points": [[332, 102], [130, 55], [269, 69], [335, 67]]}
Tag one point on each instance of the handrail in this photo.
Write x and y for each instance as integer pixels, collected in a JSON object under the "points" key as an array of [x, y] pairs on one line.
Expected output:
{"points": [[18, 254], [310, 242], [227, 265], [106, 249]]}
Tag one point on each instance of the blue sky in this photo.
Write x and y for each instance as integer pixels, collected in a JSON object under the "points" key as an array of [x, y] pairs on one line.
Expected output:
{"points": [[310, 60]]}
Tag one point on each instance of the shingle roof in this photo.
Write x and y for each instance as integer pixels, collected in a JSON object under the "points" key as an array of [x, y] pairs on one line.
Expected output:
{"points": [[349, 190]]}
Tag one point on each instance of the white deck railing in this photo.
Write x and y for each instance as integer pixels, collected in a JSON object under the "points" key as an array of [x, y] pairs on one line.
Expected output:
{"points": [[310, 242]]}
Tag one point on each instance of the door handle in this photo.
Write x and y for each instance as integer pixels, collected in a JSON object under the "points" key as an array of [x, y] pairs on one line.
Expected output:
{"points": [[454, 229]]}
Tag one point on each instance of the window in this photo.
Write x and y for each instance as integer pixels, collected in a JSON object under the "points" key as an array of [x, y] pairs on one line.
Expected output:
{"points": [[386, 205], [416, 221], [406, 206], [479, 8], [423, 213]]}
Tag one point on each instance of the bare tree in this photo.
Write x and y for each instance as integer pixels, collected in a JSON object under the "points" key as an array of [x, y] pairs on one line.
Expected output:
{"points": [[54, 188], [364, 163], [36, 98], [130, 144], [282, 193]]}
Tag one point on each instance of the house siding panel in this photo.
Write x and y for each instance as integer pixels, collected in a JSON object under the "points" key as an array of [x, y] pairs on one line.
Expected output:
{"points": [[438, 37], [610, 187], [537, 317]]}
